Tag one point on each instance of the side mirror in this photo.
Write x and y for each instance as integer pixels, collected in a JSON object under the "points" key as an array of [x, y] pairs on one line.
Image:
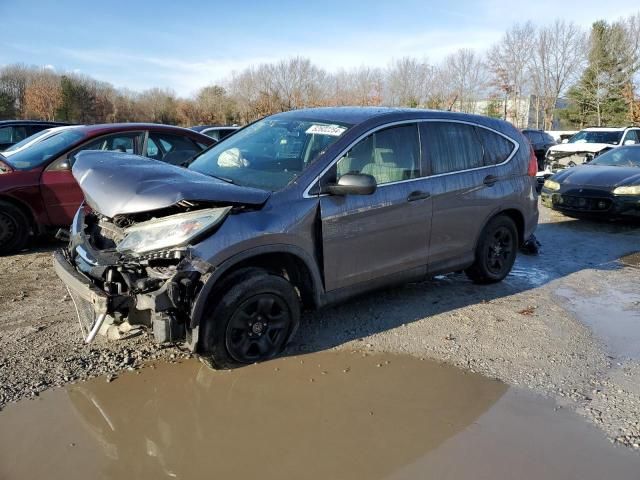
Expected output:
{"points": [[565, 140], [630, 142], [353, 184]]}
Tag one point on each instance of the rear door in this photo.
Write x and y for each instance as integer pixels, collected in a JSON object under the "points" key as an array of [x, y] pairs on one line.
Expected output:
{"points": [[466, 187], [60, 192], [371, 236]]}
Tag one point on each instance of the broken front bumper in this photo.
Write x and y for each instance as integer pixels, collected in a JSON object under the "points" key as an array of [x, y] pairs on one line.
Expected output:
{"points": [[106, 285], [92, 304]]}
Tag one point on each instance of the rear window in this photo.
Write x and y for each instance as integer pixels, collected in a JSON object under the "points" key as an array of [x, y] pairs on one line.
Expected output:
{"points": [[497, 148]]}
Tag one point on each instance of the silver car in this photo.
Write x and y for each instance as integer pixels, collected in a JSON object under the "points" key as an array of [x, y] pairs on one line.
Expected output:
{"points": [[296, 211]]}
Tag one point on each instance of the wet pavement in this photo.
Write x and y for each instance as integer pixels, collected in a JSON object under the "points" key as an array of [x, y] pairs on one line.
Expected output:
{"points": [[323, 415], [613, 314]]}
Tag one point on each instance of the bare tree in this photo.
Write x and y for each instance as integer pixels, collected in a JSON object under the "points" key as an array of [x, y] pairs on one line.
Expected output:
{"points": [[408, 82], [464, 74], [509, 62], [13, 83], [557, 59], [362, 86]]}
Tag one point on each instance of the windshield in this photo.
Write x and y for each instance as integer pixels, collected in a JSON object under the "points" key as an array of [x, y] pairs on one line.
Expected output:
{"points": [[39, 153], [597, 136], [22, 143], [270, 153], [619, 157]]}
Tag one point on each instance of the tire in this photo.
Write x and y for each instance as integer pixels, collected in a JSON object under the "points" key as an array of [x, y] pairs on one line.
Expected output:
{"points": [[251, 319], [571, 164], [14, 228], [496, 251]]}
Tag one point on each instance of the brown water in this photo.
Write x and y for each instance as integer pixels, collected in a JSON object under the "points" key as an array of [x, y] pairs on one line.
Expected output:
{"points": [[325, 416]]}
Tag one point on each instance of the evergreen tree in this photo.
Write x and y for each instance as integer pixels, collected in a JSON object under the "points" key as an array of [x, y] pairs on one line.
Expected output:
{"points": [[599, 96]]}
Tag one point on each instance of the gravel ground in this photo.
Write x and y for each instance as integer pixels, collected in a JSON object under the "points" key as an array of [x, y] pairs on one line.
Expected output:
{"points": [[527, 331]]}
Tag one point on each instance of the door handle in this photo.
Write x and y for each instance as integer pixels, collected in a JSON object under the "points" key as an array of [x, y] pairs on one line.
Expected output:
{"points": [[417, 195], [490, 180]]}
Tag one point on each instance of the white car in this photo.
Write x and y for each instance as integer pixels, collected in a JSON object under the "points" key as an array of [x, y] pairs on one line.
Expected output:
{"points": [[35, 138], [588, 144]]}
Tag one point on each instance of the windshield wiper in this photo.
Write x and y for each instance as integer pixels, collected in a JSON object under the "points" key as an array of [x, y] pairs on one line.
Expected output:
{"points": [[224, 179]]}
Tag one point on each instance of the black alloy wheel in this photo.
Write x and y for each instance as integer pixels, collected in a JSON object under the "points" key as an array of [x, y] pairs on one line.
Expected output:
{"points": [[500, 250], [258, 329], [252, 315], [496, 251]]}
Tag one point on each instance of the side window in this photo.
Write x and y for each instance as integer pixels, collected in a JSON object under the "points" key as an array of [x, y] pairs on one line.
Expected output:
{"points": [[120, 142], [215, 134], [5, 135], [496, 148], [633, 135], [153, 151], [12, 134], [37, 128], [389, 155], [170, 148], [452, 146]]}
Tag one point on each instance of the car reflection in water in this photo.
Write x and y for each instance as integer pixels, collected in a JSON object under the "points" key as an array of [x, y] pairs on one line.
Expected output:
{"points": [[284, 419]]}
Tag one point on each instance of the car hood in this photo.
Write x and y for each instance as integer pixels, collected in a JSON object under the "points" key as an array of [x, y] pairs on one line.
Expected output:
{"points": [[579, 147], [116, 183], [599, 176]]}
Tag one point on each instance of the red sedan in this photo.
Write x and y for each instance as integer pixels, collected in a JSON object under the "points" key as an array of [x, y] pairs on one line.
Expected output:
{"points": [[38, 191]]}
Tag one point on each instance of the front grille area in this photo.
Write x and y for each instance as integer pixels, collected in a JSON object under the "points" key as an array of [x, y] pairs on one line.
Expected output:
{"points": [[586, 204]]}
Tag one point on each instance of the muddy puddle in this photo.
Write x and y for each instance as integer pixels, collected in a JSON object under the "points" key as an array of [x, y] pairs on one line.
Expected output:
{"points": [[612, 315], [325, 416]]}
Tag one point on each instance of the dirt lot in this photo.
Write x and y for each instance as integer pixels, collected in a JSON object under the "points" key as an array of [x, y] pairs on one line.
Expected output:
{"points": [[565, 324]]}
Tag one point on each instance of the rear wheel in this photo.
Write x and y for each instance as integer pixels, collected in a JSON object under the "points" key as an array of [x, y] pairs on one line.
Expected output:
{"points": [[14, 228], [254, 316], [496, 251]]}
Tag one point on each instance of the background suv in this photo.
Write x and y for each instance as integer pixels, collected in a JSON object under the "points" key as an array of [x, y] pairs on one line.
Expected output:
{"points": [[298, 210], [541, 142]]}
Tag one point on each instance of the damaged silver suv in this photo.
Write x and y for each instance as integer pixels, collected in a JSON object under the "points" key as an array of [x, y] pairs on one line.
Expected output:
{"points": [[298, 210]]}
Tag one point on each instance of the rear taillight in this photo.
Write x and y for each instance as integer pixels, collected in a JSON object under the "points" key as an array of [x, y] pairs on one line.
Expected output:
{"points": [[533, 164]]}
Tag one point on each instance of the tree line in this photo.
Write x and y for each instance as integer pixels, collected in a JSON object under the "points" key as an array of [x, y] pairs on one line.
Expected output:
{"points": [[595, 71]]}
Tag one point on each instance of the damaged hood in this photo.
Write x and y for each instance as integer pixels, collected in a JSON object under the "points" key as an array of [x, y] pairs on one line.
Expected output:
{"points": [[569, 148], [599, 176], [117, 183]]}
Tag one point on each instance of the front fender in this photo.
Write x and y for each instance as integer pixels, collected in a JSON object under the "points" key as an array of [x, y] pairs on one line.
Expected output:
{"points": [[200, 303]]}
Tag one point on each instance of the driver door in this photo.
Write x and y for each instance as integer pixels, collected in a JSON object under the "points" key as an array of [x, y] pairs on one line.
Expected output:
{"points": [[372, 236], [61, 193]]}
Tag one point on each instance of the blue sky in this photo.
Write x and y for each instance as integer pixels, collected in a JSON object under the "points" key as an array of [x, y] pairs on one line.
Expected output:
{"points": [[185, 45]]}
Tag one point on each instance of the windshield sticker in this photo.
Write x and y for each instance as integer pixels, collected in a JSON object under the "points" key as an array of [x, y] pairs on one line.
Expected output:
{"points": [[331, 130]]}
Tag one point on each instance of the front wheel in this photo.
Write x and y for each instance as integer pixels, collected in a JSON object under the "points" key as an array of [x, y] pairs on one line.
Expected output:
{"points": [[14, 228], [252, 320], [496, 251]]}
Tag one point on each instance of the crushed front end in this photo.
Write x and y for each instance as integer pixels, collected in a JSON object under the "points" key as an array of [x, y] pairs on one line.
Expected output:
{"points": [[151, 288]]}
